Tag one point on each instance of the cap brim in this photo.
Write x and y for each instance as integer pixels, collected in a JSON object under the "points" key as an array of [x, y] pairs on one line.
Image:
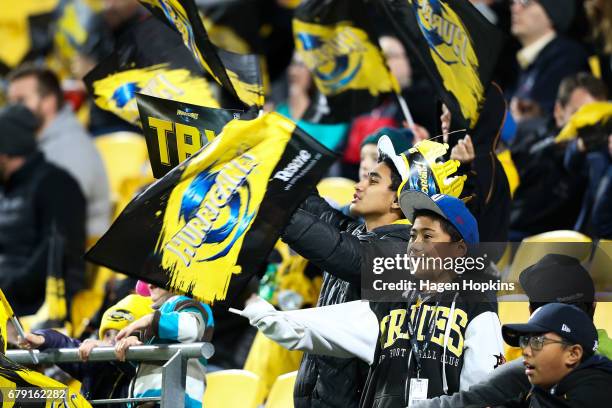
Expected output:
{"points": [[385, 147], [512, 332], [411, 201]]}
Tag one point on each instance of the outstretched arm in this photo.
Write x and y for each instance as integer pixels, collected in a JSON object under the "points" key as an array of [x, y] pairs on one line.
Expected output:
{"points": [[343, 330]]}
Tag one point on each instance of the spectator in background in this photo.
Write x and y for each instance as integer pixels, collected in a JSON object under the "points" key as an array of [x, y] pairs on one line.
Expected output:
{"points": [[547, 197], [546, 57], [589, 154], [599, 13], [302, 94], [64, 141], [39, 204]]}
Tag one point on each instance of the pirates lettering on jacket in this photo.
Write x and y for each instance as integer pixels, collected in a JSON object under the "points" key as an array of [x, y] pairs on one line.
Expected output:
{"points": [[394, 327]]}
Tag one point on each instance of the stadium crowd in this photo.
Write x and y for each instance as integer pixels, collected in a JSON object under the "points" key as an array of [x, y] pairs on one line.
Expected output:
{"points": [[536, 168]]}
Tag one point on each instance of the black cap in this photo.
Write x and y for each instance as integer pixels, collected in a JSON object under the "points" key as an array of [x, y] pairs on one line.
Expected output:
{"points": [[18, 127], [568, 321], [557, 278]]}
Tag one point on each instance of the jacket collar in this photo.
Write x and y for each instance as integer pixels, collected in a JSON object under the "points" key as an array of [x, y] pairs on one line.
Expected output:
{"points": [[24, 172]]}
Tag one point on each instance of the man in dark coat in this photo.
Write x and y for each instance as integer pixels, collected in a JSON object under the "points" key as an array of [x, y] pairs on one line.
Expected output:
{"points": [[42, 216]]}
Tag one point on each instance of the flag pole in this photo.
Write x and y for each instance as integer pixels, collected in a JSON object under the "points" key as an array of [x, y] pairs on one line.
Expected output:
{"points": [[22, 334], [405, 109]]}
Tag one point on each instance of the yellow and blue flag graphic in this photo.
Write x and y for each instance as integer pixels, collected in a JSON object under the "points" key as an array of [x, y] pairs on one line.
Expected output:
{"points": [[332, 38], [209, 224], [154, 63], [6, 312], [238, 74], [457, 46]]}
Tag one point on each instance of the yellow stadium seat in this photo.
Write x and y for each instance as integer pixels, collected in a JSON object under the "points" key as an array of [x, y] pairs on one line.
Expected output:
{"points": [[533, 248], [602, 318], [281, 394], [124, 155], [270, 361], [338, 189], [600, 268], [232, 388], [512, 312]]}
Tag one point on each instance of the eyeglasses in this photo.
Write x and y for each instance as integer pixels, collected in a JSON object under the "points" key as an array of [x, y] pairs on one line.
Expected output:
{"points": [[537, 343]]}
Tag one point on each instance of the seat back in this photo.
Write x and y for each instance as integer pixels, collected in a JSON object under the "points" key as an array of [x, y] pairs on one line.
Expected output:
{"points": [[232, 388], [534, 248], [281, 394]]}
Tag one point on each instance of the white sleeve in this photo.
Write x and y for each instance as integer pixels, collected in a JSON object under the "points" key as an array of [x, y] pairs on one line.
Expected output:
{"points": [[483, 351], [343, 330]]}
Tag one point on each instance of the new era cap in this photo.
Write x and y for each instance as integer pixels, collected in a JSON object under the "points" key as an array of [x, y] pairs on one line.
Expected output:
{"points": [[567, 321]]}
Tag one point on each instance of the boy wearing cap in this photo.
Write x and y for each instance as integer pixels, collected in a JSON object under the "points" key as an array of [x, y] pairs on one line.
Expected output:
{"points": [[558, 343], [445, 344]]}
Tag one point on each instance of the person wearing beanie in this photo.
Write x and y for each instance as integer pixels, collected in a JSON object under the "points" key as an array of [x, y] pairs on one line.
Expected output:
{"points": [[400, 138], [104, 379], [39, 204], [546, 57]]}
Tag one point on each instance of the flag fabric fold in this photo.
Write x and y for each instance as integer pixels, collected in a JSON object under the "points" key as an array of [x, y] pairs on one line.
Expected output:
{"points": [[208, 225], [238, 74], [456, 45]]}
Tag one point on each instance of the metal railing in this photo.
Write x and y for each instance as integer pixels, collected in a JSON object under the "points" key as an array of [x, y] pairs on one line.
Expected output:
{"points": [[174, 372]]}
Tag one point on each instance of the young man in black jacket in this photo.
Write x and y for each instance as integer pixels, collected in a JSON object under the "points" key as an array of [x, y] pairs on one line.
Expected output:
{"points": [[558, 345], [334, 242]]}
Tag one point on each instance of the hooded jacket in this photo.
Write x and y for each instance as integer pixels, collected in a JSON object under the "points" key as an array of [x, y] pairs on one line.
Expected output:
{"points": [[585, 387], [334, 242]]}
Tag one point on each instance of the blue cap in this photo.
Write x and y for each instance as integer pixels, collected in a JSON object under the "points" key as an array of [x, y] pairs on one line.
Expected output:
{"points": [[448, 207], [568, 321]]}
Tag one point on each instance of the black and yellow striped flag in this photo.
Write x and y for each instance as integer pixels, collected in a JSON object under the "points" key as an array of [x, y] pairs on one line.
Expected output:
{"points": [[152, 61], [238, 74], [209, 224]]}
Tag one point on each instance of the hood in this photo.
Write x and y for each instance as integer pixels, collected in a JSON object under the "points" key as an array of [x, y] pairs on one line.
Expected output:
{"points": [[597, 362]]}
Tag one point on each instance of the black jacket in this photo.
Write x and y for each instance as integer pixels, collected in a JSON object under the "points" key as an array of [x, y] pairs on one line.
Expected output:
{"points": [[334, 243], [40, 204], [540, 81], [548, 197], [588, 386]]}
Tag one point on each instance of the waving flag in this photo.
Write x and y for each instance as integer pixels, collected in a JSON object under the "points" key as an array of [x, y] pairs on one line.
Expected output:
{"points": [[238, 74], [208, 225], [152, 61], [332, 38], [457, 46], [175, 131]]}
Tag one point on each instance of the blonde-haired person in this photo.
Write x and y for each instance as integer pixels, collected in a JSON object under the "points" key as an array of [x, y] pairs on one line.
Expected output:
{"points": [[100, 380]]}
